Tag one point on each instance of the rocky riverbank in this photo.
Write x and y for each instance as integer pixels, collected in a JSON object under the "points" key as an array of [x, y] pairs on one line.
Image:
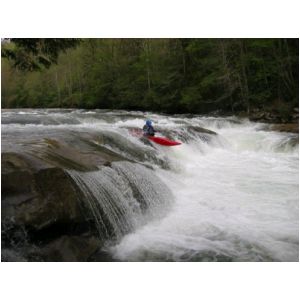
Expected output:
{"points": [[287, 123]]}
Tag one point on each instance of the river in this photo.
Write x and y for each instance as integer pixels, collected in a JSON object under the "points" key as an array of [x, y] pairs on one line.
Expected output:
{"points": [[232, 196]]}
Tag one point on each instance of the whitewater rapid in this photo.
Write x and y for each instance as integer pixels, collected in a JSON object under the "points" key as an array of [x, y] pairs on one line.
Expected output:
{"points": [[234, 196]]}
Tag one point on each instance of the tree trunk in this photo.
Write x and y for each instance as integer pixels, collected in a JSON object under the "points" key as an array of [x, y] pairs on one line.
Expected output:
{"points": [[244, 75], [147, 47], [227, 82], [58, 88]]}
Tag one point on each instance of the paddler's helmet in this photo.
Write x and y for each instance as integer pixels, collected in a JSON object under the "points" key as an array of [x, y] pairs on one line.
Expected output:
{"points": [[148, 122]]}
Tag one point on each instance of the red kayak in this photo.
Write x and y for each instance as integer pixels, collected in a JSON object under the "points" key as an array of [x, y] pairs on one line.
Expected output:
{"points": [[137, 132], [163, 141]]}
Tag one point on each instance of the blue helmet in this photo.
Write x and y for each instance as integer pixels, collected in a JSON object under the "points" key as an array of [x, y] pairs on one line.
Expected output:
{"points": [[148, 122]]}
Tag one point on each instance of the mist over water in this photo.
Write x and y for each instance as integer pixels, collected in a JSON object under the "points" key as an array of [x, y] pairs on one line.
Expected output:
{"points": [[232, 196]]}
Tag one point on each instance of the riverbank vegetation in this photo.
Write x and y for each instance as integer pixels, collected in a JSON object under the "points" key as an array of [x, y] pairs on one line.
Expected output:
{"points": [[164, 75]]}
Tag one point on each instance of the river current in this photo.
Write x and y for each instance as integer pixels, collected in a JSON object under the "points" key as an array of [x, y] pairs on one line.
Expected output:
{"points": [[233, 196]]}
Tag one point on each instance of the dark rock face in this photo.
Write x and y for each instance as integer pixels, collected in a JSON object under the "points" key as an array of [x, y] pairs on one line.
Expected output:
{"points": [[274, 116], [39, 207], [43, 216], [37, 198], [70, 248], [286, 123]]}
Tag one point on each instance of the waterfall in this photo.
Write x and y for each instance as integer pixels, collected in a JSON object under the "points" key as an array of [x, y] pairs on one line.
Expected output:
{"points": [[122, 197]]}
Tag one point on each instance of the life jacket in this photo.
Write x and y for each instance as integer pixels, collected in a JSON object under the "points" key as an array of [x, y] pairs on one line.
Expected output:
{"points": [[148, 130]]}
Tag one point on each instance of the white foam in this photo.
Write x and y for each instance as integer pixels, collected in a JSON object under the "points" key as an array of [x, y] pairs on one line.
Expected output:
{"points": [[236, 199]]}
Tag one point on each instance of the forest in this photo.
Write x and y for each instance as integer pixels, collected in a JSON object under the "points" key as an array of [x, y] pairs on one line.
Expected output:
{"points": [[163, 75]]}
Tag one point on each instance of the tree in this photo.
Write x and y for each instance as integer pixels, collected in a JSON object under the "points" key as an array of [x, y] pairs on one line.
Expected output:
{"points": [[167, 75], [35, 54]]}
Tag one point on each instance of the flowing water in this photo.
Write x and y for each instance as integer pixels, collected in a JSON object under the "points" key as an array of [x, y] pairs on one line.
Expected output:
{"points": [[230, 196]]}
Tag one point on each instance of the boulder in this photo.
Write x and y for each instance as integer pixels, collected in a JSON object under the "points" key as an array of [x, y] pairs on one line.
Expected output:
{"points": [[289, 127], [201, 130], [43, 213], [36, 199]]}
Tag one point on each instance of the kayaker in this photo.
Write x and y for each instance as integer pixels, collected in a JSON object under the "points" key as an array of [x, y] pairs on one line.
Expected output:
{"points": [[148, 129]]}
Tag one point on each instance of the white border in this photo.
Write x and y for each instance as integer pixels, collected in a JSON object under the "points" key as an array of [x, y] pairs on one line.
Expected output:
{"points": [[152, 18], [149, 281], [149, 18]]}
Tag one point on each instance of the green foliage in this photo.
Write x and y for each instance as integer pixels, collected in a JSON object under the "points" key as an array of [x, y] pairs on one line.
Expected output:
{"points": [[168, 75], [34, 54]]}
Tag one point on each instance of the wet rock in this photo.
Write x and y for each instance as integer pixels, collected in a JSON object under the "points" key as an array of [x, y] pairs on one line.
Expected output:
{"points": [[84, 156], [45, 215], [9, 255], [41, 204], [257, 116], [202, 130], [289, 127], [274, 116], [36, 200], [264, 116], [70, 248], [103, 256], [36, 190]]}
